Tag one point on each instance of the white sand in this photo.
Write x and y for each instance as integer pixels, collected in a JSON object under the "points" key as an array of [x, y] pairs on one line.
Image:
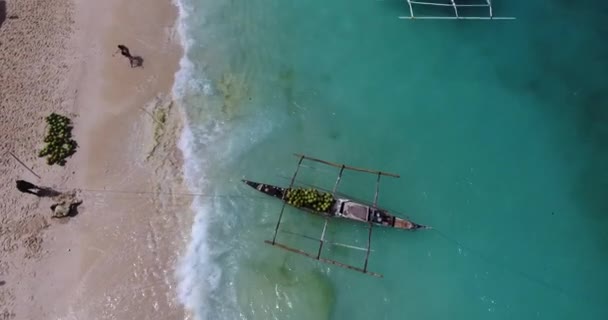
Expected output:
{"points": [[115, 259]]}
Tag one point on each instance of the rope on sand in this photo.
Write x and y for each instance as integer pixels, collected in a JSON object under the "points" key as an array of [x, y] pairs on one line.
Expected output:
{"points": [[186, 194], [23, 164]]}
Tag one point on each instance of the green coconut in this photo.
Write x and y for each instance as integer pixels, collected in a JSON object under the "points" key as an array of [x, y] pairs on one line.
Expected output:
{"points": [[59, 144]]}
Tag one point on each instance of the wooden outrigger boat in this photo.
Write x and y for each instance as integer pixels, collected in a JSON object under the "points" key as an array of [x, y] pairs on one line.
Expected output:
{"points": [[338, 207], [332, 205]]}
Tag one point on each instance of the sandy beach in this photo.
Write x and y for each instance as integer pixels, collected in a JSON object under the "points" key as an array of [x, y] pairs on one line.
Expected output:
{"points": [[115, 259]]}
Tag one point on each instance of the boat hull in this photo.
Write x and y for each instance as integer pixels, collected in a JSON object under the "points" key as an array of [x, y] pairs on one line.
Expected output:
{"points": [[344, 208]]}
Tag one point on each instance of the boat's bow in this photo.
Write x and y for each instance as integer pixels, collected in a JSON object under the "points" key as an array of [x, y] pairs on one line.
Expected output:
{"points": [[268, 189], [409, 225], [251, 183]]}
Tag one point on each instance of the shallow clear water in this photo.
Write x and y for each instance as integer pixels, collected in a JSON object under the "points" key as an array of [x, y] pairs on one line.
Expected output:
{"points": [[498, 130]]}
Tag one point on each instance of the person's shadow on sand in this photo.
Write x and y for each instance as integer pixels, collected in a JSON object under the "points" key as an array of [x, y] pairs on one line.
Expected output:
{"points": [[136, 61], [2, 12]]}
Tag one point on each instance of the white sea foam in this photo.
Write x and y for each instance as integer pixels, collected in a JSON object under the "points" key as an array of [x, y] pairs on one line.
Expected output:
{"points": [[194, 266], [196, 273], [184, 77], [208, 138]]}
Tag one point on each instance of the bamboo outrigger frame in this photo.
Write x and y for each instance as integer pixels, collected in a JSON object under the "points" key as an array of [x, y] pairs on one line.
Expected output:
{"points": [[322, 240], [455, 5]]}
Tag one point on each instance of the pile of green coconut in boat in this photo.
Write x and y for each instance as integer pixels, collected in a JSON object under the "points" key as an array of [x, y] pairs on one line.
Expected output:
{"points": [[309, 198], [59, 143]]}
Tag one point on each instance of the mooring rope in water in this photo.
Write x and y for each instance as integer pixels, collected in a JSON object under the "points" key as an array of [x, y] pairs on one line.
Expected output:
{"points": [[482, 256], [186, 194], [510, 269]]}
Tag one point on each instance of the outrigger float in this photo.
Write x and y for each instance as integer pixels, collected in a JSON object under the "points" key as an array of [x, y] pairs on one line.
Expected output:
{"points": [[333, 205], [460, 10]]}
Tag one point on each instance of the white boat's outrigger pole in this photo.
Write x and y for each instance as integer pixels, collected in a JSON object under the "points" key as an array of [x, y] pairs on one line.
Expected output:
{"points": [[458, 15]]}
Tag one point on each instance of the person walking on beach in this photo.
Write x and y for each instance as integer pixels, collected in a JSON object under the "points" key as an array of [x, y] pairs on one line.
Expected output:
{"points": [[124, 51], [134, 61]]}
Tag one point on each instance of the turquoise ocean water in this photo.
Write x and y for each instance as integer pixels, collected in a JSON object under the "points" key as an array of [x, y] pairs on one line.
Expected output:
{"points": [[498, 130]]}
